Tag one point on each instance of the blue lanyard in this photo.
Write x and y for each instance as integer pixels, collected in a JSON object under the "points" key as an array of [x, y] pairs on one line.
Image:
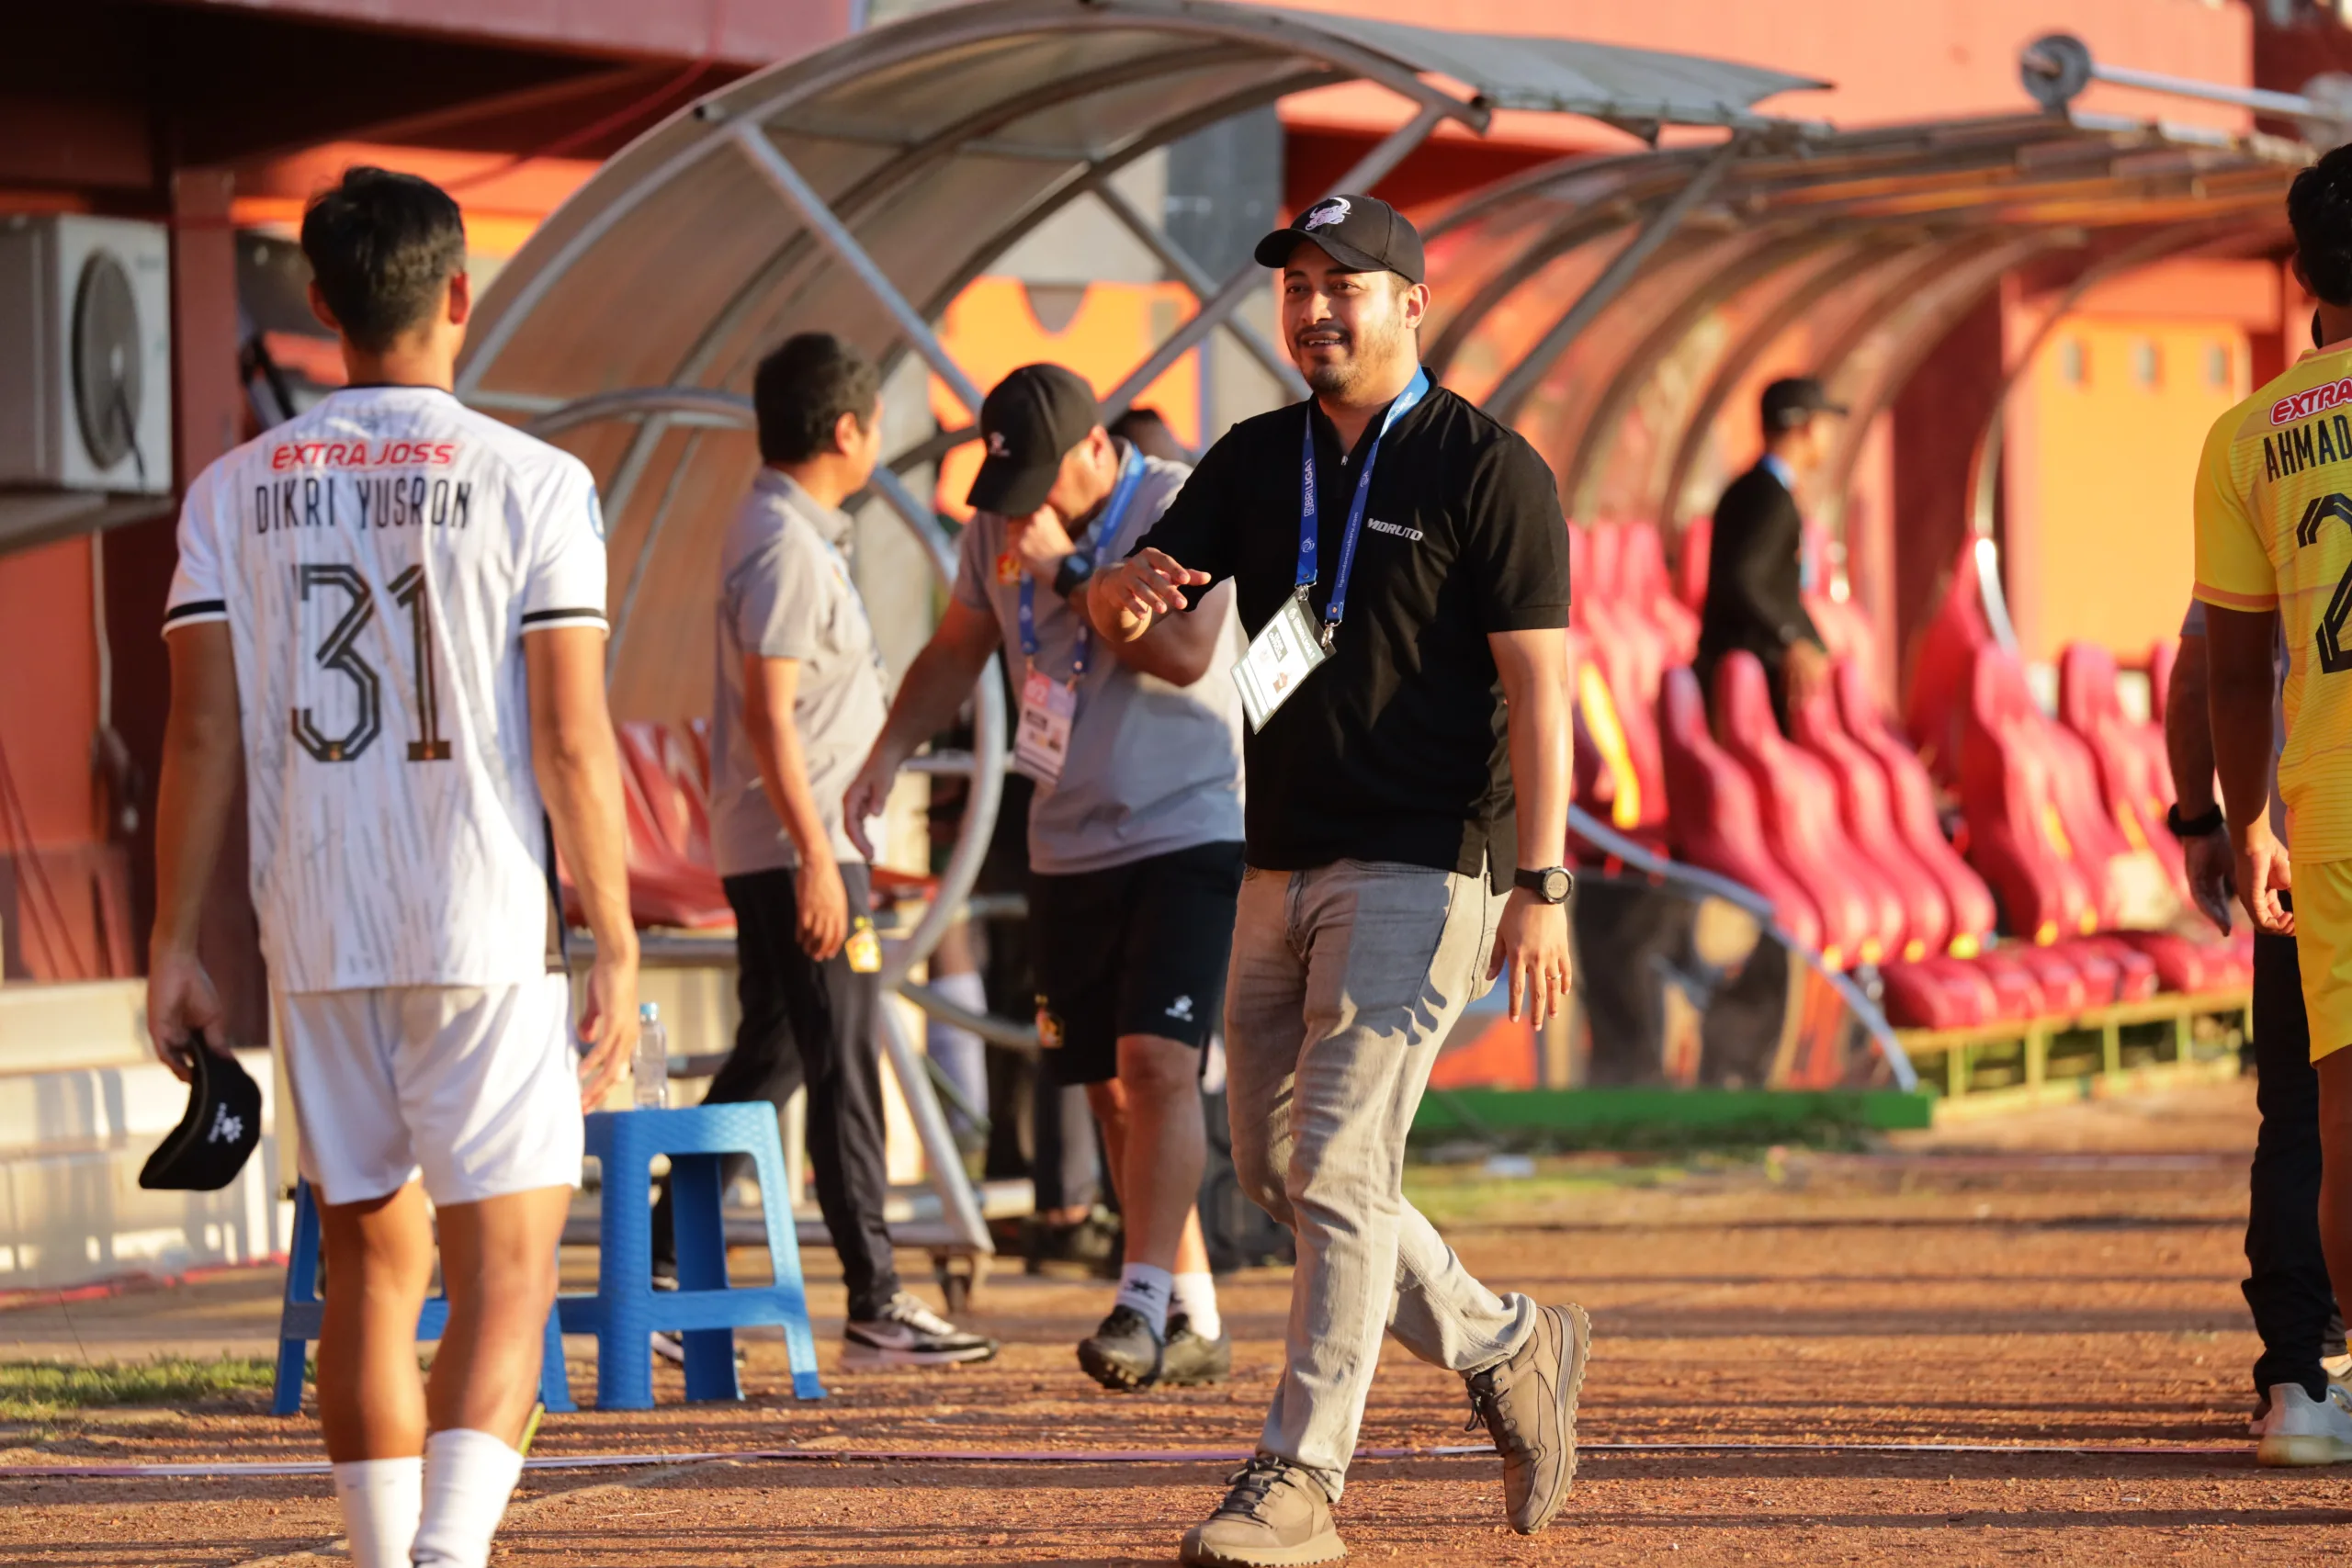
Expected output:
{"points": [[1106, 531], [1307, 516]]}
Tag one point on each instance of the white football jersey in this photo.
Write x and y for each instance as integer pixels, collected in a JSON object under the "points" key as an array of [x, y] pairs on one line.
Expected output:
{"points": [[378, 561]]}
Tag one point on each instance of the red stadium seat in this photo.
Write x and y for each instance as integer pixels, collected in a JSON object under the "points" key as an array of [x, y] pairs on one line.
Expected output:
{"points": [[1938, 993], [2134, 781], [1715, 823], [1870, 823], [1911, 801], [2018, 835], [1935, 710], [1643, 583], [666, 887], [1861, 915], [1691, 561]]}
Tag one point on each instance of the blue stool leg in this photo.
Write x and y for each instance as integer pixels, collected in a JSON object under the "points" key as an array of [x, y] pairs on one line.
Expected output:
{"points": [[555, 1383], [694, 1198], [784, 1260], [623, 1267], [301, 1290]]}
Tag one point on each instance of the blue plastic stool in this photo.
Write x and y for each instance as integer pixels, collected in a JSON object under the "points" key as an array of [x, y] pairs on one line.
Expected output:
{"points": [[705, 1310], [298, 1320]]}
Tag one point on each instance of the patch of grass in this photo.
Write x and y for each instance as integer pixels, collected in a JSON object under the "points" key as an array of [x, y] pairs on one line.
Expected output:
{"points": [[40, 1390]]}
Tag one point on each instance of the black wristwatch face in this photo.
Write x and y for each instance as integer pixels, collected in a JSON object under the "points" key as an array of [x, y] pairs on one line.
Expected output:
{"points": [[1551, 883], [1076, 568]]}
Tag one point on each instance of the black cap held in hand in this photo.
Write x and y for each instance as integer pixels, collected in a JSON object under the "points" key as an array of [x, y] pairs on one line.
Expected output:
{"points": [[1359, 231], [205, 1152], [1793, 399], [1029, 424]]}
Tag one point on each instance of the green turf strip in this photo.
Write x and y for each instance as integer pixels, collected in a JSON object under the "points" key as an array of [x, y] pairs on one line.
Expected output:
{"points": [[33, 1390]]}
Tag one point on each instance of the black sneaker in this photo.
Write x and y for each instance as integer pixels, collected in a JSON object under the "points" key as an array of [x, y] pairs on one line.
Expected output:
{"points": [[1188, 1359], [1094, 1245], [1124, 1354], [906, 1333]]}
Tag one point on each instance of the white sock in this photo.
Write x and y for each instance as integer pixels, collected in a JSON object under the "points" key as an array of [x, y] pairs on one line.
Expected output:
{"points": [[468, 1475], [1147, 1289], [382, 1499], [1194, 1295]]}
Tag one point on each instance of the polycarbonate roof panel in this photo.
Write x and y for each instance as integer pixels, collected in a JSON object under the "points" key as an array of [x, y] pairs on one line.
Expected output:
{"points": [[1916, 221], [1604, 81], [936, 142]]}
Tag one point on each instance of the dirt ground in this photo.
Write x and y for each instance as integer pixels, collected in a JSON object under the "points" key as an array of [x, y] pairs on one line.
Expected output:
{"points": [[2063, 1279]]}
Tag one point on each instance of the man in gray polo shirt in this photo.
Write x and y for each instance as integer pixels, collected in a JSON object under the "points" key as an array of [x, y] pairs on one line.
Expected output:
{"points": [[799, 698], [1135, 835]]}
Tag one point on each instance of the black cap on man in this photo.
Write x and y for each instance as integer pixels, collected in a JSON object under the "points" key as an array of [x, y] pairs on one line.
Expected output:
{"points": [[1028, 424], [1359, 231], [1792, 401]]}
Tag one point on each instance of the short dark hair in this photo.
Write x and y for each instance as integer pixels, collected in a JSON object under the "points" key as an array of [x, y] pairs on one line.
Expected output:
{"points": [[2319, 206], [1147, 431], [381, 246], [801, 390]]}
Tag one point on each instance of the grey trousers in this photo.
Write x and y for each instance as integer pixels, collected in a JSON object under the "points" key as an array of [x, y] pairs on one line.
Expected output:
{"points": [[1344, 981]]}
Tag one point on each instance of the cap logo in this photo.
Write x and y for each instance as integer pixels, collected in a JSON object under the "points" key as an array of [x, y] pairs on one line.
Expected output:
{"points": [[998, 445], [1323, 214]]}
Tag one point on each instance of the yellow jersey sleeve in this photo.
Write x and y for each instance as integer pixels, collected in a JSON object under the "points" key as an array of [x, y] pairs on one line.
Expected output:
{"points": [[2234, 566]]}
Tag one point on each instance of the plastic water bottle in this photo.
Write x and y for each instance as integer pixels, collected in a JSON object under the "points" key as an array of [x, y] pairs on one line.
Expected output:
{"points": [[651, 1066]]}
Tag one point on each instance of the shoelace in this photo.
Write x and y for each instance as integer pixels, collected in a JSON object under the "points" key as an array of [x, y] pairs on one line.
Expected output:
{"points": [[1252, 1485], [906, 1309], [1487, 1410]]}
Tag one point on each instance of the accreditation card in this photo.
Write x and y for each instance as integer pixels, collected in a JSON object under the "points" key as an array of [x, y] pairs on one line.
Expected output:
{"points": [[1285, 651]]}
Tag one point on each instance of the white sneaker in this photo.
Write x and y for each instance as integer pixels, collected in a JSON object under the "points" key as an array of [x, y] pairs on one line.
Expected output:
{"points": [[2302, 1430], [908, 1334], [2337, 1390]]}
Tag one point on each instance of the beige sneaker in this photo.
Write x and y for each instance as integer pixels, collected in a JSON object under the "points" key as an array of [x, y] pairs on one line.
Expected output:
{"points": [[2304, 1431], [1276, 1515], [1529, 1406]]}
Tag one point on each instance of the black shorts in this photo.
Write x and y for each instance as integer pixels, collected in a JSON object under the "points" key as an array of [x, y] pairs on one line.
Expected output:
{"points": [[1134, 948]]}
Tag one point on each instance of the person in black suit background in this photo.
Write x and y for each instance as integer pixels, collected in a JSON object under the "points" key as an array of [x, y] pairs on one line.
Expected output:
{"points": [[1754, 577]]}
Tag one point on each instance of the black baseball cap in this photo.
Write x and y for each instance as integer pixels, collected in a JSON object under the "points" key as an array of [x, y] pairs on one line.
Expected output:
{"points": [[1359, 231], [205, 1152], [1793, 399], [1028, 426]]}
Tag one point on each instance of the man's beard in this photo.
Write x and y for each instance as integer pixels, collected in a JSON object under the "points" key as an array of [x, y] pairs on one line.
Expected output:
{"points": [[1375, 348]]}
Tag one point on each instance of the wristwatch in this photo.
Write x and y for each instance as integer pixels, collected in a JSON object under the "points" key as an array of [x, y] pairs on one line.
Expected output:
{"points": [[1551, 885], [2207, 821], [1072, 575]]}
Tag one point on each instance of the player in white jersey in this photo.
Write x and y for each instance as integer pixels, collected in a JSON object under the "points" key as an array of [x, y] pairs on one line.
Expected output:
{"points": [[388, 615]]}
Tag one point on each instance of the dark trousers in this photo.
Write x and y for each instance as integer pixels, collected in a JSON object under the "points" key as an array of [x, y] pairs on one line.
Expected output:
{"points": [[2287, 1284], [806, 1022]]}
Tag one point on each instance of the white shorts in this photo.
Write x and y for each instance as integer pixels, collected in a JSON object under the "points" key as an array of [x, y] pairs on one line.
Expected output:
{"points": [[475, 1088]]}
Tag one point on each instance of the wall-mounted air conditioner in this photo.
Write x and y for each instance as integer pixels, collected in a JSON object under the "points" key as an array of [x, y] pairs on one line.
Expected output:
{"points": [[86, 354]]}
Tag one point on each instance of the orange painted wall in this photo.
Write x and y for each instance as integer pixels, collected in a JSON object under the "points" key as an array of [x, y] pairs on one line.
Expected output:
{"points": [[2117, 408], [48, 688], [992, 329]]}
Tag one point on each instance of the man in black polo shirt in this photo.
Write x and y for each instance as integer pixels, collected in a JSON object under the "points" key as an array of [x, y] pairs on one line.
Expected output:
{"points": [[1401, 568]]}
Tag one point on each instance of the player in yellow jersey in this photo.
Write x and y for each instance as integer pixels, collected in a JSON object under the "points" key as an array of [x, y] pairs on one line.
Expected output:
{"points": [[2274, 561]]}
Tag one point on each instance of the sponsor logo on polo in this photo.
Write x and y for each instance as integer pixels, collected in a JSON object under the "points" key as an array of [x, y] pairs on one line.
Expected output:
{"points": [[1377, 527]]}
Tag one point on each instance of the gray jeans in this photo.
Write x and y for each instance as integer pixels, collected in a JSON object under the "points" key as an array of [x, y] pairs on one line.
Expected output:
{"points": [[1344, 983]]}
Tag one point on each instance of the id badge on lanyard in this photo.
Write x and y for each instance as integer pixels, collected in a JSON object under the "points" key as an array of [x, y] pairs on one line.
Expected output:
{"points": [[1290, 647], [1049, 707]]}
